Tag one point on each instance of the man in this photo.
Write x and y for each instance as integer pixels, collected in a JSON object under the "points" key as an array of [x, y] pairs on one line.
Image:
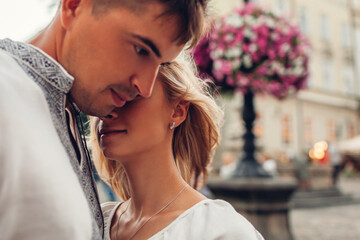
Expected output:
{"points": [[95, 56]]}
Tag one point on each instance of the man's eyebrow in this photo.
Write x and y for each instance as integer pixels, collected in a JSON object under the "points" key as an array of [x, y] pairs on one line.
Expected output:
{"points": [[149, 43]]}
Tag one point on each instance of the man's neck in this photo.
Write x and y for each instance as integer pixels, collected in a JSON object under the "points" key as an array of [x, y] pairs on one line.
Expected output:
{"points": [[50, 39]]}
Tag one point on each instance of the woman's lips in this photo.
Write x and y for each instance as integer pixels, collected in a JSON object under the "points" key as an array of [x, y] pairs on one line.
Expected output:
{"points": [[118, 100], [109, 133]]}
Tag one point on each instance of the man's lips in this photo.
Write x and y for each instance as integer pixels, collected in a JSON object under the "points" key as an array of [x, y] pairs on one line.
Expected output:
{"points": [[118, 100]]}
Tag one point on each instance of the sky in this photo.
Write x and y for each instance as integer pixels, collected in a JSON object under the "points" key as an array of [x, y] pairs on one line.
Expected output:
{"points": [[20, 20]]}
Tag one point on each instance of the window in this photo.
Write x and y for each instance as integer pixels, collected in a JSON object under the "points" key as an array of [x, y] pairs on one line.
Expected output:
{"points": [[259, 126], [351, 130], [342, 2], [308, 132], [345, 35], [312, 81], [328, 79], [348, 80], [282, 6], [324, 27], [331, 130], [286, 133], [304, 20]]}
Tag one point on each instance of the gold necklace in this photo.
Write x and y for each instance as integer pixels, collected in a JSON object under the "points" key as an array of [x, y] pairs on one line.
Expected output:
{"points": [[161, 209]]}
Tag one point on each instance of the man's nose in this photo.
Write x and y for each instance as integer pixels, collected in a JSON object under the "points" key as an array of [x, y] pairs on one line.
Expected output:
{"points": [[111, 116], [144, 81]]}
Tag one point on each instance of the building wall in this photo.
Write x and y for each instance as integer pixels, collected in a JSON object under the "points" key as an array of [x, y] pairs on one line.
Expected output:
{"points": [[296, 124], [355, 9]]}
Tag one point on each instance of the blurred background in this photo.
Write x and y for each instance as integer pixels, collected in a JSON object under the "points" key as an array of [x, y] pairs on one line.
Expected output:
{"points": [[311, 137]]}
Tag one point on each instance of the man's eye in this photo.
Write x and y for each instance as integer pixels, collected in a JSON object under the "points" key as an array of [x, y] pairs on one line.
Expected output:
{"points": [[141, 51]]}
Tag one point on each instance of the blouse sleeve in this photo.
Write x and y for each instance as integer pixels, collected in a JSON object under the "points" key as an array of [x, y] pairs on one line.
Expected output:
{"points": [[108, 209], [225, 223]]}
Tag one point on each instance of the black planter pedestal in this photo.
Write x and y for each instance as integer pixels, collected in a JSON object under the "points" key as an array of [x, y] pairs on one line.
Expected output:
{"points": [[248, 167], [263, 201]]}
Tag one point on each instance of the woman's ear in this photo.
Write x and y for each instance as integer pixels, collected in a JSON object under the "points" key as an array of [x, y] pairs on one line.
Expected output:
{"points": [[180, 112]]}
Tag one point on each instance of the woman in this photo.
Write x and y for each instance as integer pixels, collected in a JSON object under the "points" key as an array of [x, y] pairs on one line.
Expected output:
{"points": [[154, 153]]}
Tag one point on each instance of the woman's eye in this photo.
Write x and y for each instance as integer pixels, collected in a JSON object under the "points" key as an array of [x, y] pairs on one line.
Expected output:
{"points": [[141, 51]]}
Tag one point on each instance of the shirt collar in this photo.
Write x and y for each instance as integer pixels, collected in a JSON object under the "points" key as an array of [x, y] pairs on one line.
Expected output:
{"points": [[40, 62]]}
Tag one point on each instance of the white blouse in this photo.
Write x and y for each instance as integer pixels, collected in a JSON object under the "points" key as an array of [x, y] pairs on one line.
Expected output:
{"points": [[208, 220]]}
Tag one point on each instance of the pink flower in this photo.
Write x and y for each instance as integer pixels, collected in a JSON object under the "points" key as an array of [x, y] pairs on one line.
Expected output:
{"points": [[217, 75], [249, 9], [255, 49], [262, 70], [262, 31], [242, 80], [245, 48], [230, 81], [271, 54], [226, 67], [255, 57], [274, 87], [239, 37], [258, 85], [262, 43]]}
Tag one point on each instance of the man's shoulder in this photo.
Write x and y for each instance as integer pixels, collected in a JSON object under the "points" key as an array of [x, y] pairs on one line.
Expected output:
{"points": [[12, 75], [9, 67], [6, 59], [18, 91]]}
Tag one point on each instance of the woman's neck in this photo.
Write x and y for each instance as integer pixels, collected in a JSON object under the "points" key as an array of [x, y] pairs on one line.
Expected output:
{"points": [[154, 181]]}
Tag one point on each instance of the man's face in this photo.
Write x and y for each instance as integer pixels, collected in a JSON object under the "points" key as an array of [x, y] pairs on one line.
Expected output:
{"points": [[115, 56]]}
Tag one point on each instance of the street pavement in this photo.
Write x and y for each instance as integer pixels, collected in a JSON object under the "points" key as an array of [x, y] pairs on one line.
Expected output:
{"points": [[329, 223]]}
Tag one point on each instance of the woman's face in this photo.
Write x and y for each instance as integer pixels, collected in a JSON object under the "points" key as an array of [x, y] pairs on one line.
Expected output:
{"points": [[138, 127]]}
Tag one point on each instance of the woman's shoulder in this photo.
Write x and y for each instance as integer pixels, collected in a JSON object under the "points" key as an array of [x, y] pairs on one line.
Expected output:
{"points": [[225, 220], [108, 207], [212, 219], [108, 210]]}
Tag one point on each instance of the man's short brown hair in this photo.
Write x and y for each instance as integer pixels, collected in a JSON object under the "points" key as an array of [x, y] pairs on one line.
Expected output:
{"points": [[190, 14]]}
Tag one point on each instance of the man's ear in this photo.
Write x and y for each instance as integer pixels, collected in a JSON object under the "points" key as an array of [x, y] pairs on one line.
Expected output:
{"points": [[68, 11], [180, 112]]}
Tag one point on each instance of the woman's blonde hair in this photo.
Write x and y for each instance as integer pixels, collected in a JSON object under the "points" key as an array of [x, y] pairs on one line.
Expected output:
{"points": [[194, 139]]}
